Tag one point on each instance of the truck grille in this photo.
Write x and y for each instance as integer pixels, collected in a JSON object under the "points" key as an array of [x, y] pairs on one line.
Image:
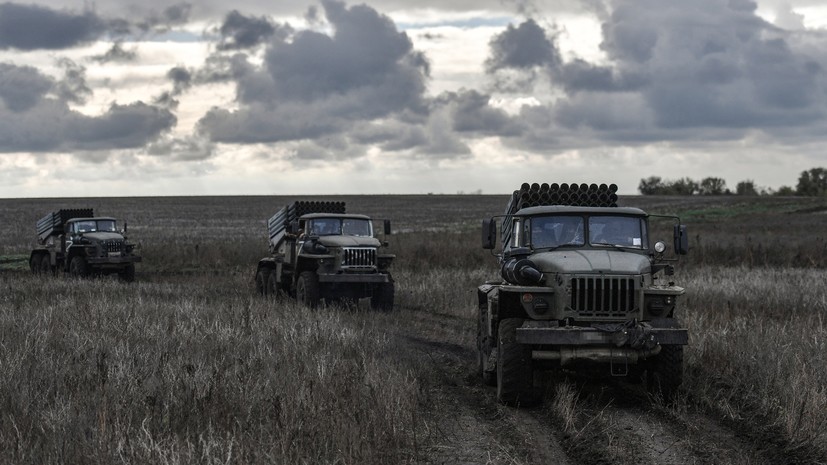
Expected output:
{"points": [[112, 246], [603, 296], [359, 258]]}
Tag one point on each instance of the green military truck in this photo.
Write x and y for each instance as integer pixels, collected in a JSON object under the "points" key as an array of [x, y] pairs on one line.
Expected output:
{"points": [[76, 242], [318, 252], [583, 285]]}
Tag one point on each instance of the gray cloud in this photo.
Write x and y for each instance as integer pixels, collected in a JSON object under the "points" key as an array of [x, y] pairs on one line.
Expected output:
{"points": [[170, 16], [72, 88], [241, 32], [31, 27], [318, 84], [22, 87], [523, 47], [673, 68], [116, 53], [32, 120]]}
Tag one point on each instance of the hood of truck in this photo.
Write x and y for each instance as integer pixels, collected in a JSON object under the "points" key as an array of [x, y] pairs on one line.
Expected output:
{"points": [[591, 261], [349, 241], [103, 236]]}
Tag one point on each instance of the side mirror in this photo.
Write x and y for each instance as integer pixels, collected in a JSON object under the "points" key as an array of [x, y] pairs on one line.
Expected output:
{"points": [[387, 224], [489, 233], [124, 228], [681, 239], [293, 227]]}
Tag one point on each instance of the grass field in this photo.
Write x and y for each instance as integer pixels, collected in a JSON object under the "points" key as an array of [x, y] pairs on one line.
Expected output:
{"points": [[188, 365]]}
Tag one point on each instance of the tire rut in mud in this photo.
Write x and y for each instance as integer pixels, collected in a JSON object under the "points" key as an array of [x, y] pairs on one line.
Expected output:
{"points": [[461, 421]]}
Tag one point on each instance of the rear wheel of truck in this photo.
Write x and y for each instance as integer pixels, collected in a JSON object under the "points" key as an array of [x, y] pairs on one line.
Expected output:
{"points": [[77, 267], [45, 264], [127, 274], [307, 289], [665, 373], [382, 298], [262, 278], [515, 375]]}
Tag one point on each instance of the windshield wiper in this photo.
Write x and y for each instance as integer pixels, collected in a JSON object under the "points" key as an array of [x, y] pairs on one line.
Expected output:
{"points": [[616, 246]]}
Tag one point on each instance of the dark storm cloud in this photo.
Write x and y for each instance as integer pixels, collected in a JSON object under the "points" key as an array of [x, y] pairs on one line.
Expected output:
{"points": [[242, 32], [317, 84], [522, 47], [32, 27], [32, 121]]}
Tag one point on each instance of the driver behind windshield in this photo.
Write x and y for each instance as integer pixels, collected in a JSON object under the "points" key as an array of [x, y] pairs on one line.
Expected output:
{"points": [[556, 231]]}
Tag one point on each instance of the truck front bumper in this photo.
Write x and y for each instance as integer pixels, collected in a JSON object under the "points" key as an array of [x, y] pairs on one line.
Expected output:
{"points": [[585, 336], [372, 278], [621, 343], [114, 261]]}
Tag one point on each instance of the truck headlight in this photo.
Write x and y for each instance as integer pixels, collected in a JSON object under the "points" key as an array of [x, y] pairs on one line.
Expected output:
{"points": [[660, 247]]}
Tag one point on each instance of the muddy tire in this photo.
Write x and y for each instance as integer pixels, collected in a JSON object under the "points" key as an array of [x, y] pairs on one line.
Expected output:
{"points": [[484, 348], [665, 373], [307, 289], [515, 375], [78, 268], [382, 298], [262, 278], [127, 275]]}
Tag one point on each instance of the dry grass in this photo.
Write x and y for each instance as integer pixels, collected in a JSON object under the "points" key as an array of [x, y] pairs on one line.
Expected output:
{"points": [[196, 371], [758, 350]]}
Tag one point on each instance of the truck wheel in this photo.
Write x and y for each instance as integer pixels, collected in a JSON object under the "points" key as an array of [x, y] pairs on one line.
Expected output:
{"points": [[665, 373], [515, 376], [273, 286], [382, 298], [77, 267], [127, 275], [484, 348], [262, 278], [307, 289], [45, 264]]}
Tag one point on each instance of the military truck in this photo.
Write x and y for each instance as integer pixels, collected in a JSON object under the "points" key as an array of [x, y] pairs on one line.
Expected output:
{"points": [[583, 287], [319, 252], [76, 242]]}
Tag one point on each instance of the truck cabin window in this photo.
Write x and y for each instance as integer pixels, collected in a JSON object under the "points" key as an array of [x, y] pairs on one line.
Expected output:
{"points": [[337, 226], [356, 227], [624, 231], [94, 226], [556, 231]]}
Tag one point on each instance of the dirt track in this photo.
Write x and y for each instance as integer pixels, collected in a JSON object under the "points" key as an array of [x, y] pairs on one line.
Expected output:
{"points": [[614, 422]]}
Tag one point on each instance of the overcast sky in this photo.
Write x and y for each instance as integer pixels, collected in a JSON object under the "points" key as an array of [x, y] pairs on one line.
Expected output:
{"points": [[112, 98]]}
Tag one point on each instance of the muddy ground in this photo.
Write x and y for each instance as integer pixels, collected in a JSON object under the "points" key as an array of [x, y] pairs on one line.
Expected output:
{"points": [[604, 420]]}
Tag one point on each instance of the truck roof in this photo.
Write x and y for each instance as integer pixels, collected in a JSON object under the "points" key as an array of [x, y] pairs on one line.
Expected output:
{"points": [[311, 216], [574, 209], [91, 219]]}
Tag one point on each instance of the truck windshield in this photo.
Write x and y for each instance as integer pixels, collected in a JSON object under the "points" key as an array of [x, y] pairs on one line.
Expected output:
{"points": [[556, 231], [94, 226], [624, 231], [339, 226]]}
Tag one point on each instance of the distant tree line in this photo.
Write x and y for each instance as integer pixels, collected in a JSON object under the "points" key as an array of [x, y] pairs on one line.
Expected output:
{"points": [[812, 182]]}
